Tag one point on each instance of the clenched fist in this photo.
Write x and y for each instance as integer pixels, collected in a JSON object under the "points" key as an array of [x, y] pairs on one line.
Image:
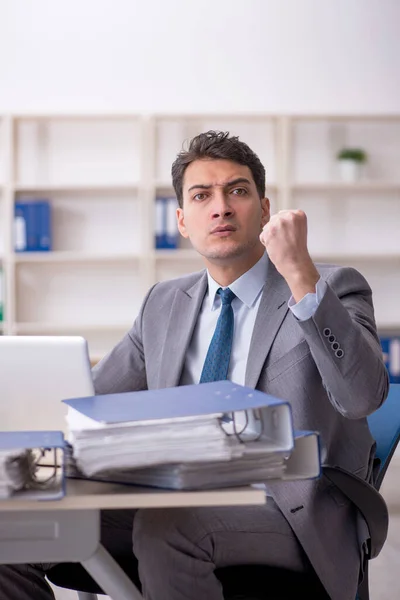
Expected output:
{"points": [[285, 239]]}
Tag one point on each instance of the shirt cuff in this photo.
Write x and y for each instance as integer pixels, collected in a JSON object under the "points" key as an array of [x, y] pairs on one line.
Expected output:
{"points": [[306, 307]]}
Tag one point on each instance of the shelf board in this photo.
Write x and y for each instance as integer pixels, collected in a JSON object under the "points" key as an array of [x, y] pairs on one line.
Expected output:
{"points": [[365, 186], [177, 254], [192, 255], [356, 257], [43, 328], [92, 116], [387, 117], [388, 327], [72, 257], [164, 185], [167, 185], [81, 188]]}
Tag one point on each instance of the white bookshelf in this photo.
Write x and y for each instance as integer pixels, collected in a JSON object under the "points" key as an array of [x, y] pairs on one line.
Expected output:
{"points": [[102, 174], [75, 257]]}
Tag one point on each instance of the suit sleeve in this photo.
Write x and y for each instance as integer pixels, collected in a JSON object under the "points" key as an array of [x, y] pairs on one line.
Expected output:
{"points": [[345, 346], [124, 368]]}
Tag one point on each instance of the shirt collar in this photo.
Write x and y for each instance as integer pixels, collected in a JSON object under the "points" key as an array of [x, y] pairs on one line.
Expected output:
{"points": [[247, 287]]}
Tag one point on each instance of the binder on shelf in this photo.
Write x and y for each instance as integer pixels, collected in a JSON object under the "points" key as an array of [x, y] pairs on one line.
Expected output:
{"points": [[22, 473], [171, 223], [43, 226], [391, 356], [166, 228], [32, 226], [20, 225], [159, 224]]}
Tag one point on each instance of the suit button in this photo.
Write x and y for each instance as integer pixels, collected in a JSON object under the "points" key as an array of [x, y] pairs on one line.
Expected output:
{"points": [[327, 332], [339, 353], [331, 339], [335, 346]]}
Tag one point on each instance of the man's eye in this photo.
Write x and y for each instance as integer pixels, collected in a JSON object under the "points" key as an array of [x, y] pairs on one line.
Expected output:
{"points": [[239, 191], [199, 197]]}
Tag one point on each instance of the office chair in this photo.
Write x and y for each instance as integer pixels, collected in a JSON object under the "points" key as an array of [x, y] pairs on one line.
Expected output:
{"points": [[257, 582]]}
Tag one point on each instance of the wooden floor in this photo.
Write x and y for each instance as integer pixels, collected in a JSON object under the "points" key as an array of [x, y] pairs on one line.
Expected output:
{"points": [[384, 570]]}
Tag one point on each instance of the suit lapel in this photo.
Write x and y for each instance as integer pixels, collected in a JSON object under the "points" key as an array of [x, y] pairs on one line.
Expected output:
{"points": [[182, 320], [271, 312]]}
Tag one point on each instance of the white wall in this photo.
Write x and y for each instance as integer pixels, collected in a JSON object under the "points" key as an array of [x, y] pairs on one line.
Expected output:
{"points": [[208, 55]]}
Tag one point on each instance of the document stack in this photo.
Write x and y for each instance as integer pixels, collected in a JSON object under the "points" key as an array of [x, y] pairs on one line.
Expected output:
{"points": [[21, 470], [188, 437]]}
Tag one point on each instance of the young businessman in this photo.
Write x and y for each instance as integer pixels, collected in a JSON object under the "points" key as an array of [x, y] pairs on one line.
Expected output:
{"points": [[297, 330]]}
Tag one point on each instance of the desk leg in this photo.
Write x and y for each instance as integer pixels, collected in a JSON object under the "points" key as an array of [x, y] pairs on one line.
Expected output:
{"points": [[110, 577]]}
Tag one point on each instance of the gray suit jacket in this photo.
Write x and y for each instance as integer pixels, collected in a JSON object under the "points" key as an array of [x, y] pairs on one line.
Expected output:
{"points": [[330, 391]]}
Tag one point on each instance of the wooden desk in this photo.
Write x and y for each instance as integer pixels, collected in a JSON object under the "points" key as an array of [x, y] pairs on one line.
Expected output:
{"points": [[68, 530]]}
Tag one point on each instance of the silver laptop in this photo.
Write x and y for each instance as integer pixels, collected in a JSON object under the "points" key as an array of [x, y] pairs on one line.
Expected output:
{"points": [[36, 373]]}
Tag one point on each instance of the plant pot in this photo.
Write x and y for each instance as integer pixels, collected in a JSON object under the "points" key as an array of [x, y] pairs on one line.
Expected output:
{"points": [[350, 170]]}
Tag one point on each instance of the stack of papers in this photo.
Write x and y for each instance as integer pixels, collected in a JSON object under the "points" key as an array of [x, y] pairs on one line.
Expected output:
{"points": [[147, 443], [251, 463]]}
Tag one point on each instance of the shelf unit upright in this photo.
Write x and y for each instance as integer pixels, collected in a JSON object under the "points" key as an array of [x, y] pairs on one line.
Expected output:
{"points": [[102, 174]]}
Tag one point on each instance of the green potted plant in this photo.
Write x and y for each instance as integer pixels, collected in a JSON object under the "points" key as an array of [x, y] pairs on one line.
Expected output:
{"points": [[351, 161]]}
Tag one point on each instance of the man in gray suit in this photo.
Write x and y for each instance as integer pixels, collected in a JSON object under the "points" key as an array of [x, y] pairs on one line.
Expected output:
{"points": [[302, 332]]}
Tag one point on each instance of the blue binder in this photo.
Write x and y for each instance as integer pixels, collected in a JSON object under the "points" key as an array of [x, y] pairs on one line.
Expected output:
{"points": [[180, 401], [51, 487], [391, 357], [301, 448], [166, 228], [33, 222], [272, 416]]}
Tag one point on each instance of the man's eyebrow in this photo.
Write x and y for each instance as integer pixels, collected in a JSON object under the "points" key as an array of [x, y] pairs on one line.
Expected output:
{"points": [[236, 181], [201, 186]]}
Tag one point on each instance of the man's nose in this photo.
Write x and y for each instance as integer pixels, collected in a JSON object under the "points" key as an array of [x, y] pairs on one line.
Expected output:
{"points": [[221, 206]]}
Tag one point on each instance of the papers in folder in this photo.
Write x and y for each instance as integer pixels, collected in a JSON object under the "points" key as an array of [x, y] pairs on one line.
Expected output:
{"points": [[21, 473], [209, 435]]}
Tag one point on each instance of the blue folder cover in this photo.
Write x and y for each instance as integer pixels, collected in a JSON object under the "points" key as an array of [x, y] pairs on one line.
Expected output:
{"points": [[168, 403], [10, 440]]}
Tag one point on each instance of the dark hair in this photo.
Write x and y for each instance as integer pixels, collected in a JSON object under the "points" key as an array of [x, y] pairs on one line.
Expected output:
{"points": [[217, 145]]}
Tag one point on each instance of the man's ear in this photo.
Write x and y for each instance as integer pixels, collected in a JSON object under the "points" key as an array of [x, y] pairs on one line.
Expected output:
{"points": [[265, 211], [181, 222]]}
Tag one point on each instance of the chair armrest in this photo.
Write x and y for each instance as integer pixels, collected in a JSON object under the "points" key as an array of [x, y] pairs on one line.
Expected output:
{"points": [[368, 501]]}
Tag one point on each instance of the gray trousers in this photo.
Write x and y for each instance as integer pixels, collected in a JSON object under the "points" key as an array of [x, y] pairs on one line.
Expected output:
{"points": [[177, 550]]}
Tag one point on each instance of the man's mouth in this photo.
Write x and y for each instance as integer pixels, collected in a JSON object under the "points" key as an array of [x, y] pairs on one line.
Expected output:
{"points": [[223, 230]]}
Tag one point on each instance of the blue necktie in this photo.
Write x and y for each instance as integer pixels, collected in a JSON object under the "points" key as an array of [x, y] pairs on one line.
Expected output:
{"points": [[219, 352]]}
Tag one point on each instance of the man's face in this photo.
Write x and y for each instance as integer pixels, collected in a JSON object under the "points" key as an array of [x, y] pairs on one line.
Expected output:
{"points": [[222, 212]]}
